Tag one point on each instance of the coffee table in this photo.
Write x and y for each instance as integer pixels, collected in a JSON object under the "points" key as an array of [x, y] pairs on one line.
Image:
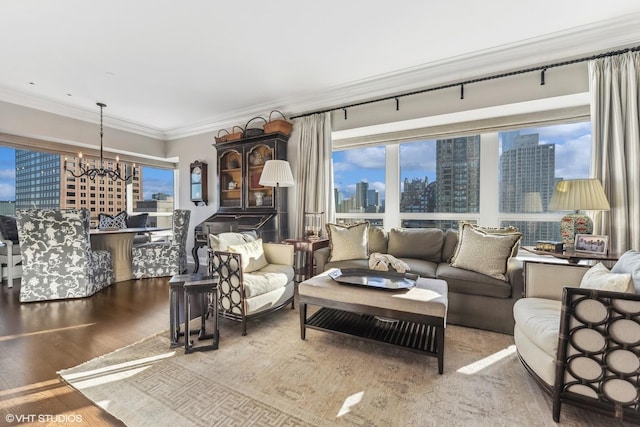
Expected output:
{"points": [[413, 318]]}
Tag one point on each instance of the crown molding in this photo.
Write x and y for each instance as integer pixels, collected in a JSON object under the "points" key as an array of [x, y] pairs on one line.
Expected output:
{"points": [[87, 115]]}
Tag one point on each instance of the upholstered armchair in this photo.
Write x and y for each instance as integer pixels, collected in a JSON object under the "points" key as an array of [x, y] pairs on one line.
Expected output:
{"points": [[58, 261], [10, 256], [580, 338], [255, 278], [159, 259]]}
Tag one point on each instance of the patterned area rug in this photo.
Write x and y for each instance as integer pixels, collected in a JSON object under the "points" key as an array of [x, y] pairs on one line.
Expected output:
{"points": [[272, 377]]}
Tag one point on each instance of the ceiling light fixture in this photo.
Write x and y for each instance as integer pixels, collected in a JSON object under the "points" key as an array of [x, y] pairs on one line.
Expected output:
{"points": [[92, 173]]}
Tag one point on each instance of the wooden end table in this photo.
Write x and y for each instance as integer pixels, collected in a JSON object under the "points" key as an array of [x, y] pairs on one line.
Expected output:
{"points": [[309, 247]]}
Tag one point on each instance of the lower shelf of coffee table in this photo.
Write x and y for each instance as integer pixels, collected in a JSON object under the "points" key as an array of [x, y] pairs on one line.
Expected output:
{"points": [[411, 335]]}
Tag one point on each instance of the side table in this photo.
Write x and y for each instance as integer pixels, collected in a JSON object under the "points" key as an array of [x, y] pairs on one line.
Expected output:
{"points": [[308, 247], [181, 287]]}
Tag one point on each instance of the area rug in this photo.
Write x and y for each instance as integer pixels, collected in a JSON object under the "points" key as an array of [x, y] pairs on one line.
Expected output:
{"points": [[273, 377]]}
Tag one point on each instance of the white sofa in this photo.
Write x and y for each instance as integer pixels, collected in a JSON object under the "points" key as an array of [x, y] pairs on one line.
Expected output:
{"points": [[255, 278], [582, 345]]}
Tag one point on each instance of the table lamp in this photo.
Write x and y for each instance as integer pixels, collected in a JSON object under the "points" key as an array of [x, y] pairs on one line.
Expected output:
{"points": [[277, 173], [576, 195]]}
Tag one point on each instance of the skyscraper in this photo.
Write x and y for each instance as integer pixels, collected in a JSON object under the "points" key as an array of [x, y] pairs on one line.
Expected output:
{"points": [[525, 167], [458, 175]]}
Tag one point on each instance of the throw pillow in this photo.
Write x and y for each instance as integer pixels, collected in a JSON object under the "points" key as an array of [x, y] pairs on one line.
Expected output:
{"points": [[252, 255], [599, 277], [9, 228], [348, 241], [484, 253], [137, 221], [108, 221], [490, 230], [221, 242], [629, 262]]}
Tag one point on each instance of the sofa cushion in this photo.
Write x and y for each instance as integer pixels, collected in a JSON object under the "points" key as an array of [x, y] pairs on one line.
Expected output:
{"points": [[270, 278], [599, 277], [137, 221], [108, 221], [221, 242], [416, 243], [539, 320], [348, 241], [473, 283], [9, 228], [449, 245], [252, 255], [378, 239], [629, 262], [484, 253], [424, 268]]}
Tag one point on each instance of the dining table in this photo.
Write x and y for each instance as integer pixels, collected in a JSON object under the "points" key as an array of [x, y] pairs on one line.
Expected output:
{"points": [[119, 241]]}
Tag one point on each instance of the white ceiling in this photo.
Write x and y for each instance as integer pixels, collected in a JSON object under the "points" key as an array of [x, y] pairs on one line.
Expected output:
{"points": [[169, 69]]}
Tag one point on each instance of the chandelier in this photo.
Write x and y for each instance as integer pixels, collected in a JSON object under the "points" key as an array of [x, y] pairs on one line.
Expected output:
{"points": [[102, 172]]}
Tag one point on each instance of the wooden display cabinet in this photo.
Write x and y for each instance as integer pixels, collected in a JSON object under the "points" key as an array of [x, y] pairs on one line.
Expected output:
{"points": [[244, 203]]}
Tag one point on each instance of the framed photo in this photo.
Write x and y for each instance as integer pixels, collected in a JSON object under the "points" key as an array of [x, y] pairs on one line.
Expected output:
{"points": [[591, 244]]}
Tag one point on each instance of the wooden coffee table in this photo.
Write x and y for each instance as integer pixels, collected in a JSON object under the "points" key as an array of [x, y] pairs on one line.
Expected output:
{"points": [[413, 318]]}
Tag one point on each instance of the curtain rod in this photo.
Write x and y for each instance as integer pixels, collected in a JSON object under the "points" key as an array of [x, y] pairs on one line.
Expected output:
{"points": [[542, 68]]}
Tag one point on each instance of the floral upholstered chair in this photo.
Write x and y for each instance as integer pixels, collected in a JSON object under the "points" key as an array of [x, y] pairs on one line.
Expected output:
{"points": [[160, 259], [57, 259]]}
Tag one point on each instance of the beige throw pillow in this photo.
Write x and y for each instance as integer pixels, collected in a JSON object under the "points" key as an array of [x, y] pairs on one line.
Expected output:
{"points": [[599, 277], [491, 230], [253, 257], [348, 241], [221, 241], [483, 252]]}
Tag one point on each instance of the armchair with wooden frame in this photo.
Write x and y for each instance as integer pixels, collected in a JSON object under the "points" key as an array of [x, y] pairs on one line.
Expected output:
{"points": [[579, 342], [248, 288]]}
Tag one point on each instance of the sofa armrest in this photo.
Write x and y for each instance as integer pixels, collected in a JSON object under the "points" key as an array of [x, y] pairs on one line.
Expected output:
{"points": [[278, 253], [515, 277], [546, 280], [320, 258]]}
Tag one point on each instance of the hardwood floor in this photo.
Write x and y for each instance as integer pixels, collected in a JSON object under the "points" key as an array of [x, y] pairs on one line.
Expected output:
{"points": [[39, 339]]}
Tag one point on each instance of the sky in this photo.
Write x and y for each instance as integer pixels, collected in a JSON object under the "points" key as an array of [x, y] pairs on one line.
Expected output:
{"points": [[154, 180], [418, 159]]}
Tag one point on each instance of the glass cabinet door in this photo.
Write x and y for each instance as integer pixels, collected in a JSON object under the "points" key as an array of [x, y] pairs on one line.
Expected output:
{"points": [[257, 195], [230, 168]]}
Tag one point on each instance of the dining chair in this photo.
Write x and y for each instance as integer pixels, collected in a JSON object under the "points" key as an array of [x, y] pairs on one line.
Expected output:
{"points": [[10, 256], [58, 261], [159, 259]]}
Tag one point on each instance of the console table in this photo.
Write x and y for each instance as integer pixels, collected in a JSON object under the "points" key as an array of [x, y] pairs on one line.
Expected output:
{"points": [[573, 257]]}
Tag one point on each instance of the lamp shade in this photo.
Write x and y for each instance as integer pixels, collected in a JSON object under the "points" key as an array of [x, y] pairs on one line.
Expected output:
{"points": [[276, 173], [579, 194], [531, 202]]}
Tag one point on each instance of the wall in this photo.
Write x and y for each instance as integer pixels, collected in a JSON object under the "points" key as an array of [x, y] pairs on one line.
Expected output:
{"points": [[78, 135]]}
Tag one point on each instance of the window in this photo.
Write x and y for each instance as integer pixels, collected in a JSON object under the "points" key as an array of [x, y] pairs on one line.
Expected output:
{"points": [[492, 179], [37, 179], [532, 161]]}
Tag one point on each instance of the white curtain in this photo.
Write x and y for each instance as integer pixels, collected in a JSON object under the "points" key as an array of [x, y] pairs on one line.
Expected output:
{"points": [[314, 175], [615, 117]]}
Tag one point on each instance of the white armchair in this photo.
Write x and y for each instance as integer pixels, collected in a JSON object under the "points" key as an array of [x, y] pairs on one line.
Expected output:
{"points": [[10, 256], [255, 278], [582, 344]]}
